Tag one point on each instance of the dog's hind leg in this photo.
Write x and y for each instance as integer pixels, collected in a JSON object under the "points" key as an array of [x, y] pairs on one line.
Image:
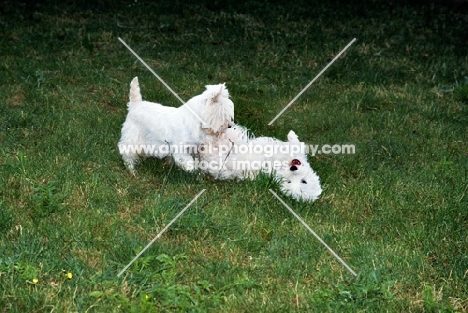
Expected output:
{"points": [[129, 146]]}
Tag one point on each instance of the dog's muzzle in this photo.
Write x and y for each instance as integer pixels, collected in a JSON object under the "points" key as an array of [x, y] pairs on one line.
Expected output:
{"points": [[294, 164]]}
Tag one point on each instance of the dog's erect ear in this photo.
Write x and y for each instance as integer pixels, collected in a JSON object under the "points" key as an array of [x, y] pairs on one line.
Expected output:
{"points": [[292, 137], [218, 112], [216, 92]]}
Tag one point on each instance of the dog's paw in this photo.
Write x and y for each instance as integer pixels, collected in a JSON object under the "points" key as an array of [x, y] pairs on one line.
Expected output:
{"points": [[187, 163]]}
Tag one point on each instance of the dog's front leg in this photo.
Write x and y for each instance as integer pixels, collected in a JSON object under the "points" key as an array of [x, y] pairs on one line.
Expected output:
{"points": [[186, 162]]}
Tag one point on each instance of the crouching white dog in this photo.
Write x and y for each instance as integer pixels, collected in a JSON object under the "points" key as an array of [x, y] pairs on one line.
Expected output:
{"points": [[236, 154]]}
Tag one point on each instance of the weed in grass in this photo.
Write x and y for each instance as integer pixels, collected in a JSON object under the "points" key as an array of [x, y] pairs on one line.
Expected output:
{"points": [[6, 219], [46, 200], [161, 290], [431, 304]]}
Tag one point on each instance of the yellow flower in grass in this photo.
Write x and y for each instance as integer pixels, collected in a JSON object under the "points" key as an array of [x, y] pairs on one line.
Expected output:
{"points": [[68, 275], [35, 281]]}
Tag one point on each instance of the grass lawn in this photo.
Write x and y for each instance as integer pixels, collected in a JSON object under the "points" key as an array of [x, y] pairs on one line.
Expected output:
{"points": [[72, 217]]}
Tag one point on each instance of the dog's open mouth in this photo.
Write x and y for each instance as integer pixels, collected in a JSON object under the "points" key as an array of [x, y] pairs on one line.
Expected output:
{"points": [[294, 164]]}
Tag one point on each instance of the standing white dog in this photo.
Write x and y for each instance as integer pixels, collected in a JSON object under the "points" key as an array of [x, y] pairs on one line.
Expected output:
{"points": [[152, 129], [236, 154]]}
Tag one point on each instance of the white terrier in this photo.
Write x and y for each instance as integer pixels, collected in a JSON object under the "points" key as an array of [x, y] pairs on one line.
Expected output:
{"points": [[236, 154], [152, 129]]}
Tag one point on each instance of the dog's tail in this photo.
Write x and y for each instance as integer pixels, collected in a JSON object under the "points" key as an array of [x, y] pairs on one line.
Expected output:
{"points": [[219, 109], [135, 94]]}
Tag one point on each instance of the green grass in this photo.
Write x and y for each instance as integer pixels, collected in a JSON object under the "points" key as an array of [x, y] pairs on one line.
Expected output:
{"points": [[396, 211]]}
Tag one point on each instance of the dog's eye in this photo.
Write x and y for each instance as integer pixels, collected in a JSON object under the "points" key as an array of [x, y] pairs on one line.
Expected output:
{"points": [[303, 181]]}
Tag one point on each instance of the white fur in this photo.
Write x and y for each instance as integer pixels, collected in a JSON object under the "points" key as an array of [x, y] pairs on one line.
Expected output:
{"points": [[149, 123], [222, 156]]}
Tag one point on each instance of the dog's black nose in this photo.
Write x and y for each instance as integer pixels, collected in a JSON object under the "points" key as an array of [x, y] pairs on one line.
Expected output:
{"points": [[293, 168]]}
